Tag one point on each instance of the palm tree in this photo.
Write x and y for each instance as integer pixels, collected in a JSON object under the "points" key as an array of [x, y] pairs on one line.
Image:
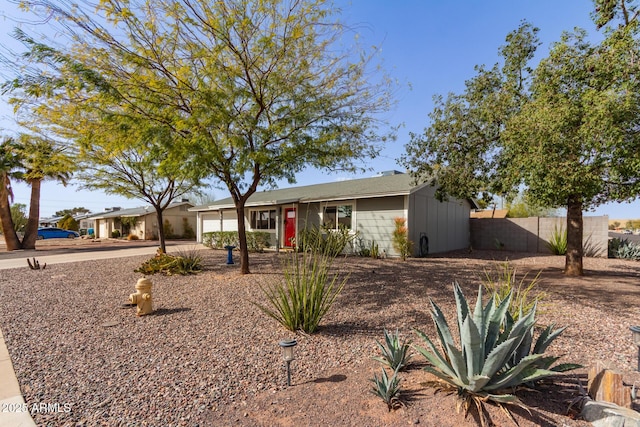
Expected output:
{"points": [[41, 159], [10, 161]]}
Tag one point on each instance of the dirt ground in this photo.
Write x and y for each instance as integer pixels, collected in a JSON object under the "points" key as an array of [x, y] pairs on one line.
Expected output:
{"points": [[333, 371]]}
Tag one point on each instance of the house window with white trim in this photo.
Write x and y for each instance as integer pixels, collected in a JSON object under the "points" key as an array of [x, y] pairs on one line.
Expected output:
{"points": [[263, 219], [335, 216]]}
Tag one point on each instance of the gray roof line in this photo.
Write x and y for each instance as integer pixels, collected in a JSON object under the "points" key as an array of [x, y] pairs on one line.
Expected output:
{"points": [[379, 186]]}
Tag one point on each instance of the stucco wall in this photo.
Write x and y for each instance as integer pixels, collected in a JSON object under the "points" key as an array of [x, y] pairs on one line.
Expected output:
{"points": [[531, 234]]}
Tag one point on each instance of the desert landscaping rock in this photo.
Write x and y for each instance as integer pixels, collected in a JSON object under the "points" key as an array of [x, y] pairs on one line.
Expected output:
{"points": [[209, 356]]}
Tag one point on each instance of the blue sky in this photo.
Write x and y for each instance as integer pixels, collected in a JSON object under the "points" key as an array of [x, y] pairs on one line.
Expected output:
{"points": [[429, 46]]}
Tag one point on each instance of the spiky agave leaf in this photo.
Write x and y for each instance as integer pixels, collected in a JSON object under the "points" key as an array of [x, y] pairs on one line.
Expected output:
{"points": [[453, 354], [396, 354], [441, 366], [388, 389]]}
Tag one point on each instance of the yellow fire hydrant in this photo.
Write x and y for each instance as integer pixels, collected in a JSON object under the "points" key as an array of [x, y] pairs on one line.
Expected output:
{"points": [[142, 297]]}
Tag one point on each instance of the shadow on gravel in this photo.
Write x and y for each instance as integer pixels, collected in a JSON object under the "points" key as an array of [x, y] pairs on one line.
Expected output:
{"points": [[165, 311], [336, 378]]}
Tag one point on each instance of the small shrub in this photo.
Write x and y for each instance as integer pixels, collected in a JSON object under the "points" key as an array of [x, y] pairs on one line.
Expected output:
{"points": [[590, 249], [495, 355], [367, 249], [187, 230], [168, 230], [503, 282], [325, 240], [183, 263], [400, 238], [220, 239], [115, 234], [395, 354], [257, 241], [557, 244], [624, 249], [307, 293], [133, 236], [388, 389]]}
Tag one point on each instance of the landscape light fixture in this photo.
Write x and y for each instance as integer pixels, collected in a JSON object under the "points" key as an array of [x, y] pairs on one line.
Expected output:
{"points": [[287, 355], [635, 331]]}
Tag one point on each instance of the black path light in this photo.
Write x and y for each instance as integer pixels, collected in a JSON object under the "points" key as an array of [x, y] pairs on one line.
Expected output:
{"points": [[287, 355], [635, 331]]}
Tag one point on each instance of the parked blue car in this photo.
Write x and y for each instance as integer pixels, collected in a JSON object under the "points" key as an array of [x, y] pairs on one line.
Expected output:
{"points": [[56, 233]]}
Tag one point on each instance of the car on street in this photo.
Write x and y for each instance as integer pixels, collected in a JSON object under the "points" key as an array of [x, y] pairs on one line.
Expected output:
{"points": [[56, 233], [627, 232]]}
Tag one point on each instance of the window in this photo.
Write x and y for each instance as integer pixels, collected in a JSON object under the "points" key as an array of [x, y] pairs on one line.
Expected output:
{"points": [[336, 216], [263, 220]]}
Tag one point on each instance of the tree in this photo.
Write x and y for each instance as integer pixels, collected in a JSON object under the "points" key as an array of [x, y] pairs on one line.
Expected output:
{"points": [[69, 223], [254, 90], [31, 159], [19, 217], [9, 163], [73, 212], [137, 172], [524, 207], [566, 131], [42, 159]]}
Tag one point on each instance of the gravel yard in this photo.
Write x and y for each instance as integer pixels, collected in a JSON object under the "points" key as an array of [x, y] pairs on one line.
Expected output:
{"points": [[208, 356]]}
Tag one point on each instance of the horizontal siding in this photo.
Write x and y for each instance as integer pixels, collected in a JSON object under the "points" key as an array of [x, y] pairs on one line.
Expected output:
{"points": [[374, 220]]}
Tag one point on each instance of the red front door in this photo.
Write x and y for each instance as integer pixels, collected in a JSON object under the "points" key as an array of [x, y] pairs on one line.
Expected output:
{"points": [[289, 227]]}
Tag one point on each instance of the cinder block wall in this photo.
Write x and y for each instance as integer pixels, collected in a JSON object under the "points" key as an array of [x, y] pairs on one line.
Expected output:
{"points": [[531, 234]]}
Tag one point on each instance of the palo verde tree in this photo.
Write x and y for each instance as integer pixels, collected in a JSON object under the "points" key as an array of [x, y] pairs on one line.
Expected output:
{"points": [[565, 131], [140, 170], [255, 91]]}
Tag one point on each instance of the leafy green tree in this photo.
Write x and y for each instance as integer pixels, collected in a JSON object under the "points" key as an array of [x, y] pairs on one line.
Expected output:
{"points": [[254, 91], [69, 223], [19, 216], [137, 172], [566, 130], [523, 207]]}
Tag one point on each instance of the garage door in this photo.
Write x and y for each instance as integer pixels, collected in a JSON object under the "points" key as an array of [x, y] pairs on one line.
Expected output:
{"points": [[210, 222]]}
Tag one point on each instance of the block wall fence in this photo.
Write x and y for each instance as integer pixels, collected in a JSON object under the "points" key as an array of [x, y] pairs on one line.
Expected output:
{"points": [[532, 234]]}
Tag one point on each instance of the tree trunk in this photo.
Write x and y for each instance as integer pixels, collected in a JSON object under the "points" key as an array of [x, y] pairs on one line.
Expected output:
{"points": [[573, 259], [163, 245], [242, 239], [31, 230], [10, 237]]}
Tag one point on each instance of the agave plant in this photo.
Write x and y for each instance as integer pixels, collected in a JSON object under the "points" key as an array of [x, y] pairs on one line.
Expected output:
{"points": [[388, 389], [495, 353], [396, 354]]}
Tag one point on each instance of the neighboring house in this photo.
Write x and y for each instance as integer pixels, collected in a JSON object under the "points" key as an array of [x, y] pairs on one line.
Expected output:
{"points": [[145, 225], [367, 206], [49, 222], [86, 221]]}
